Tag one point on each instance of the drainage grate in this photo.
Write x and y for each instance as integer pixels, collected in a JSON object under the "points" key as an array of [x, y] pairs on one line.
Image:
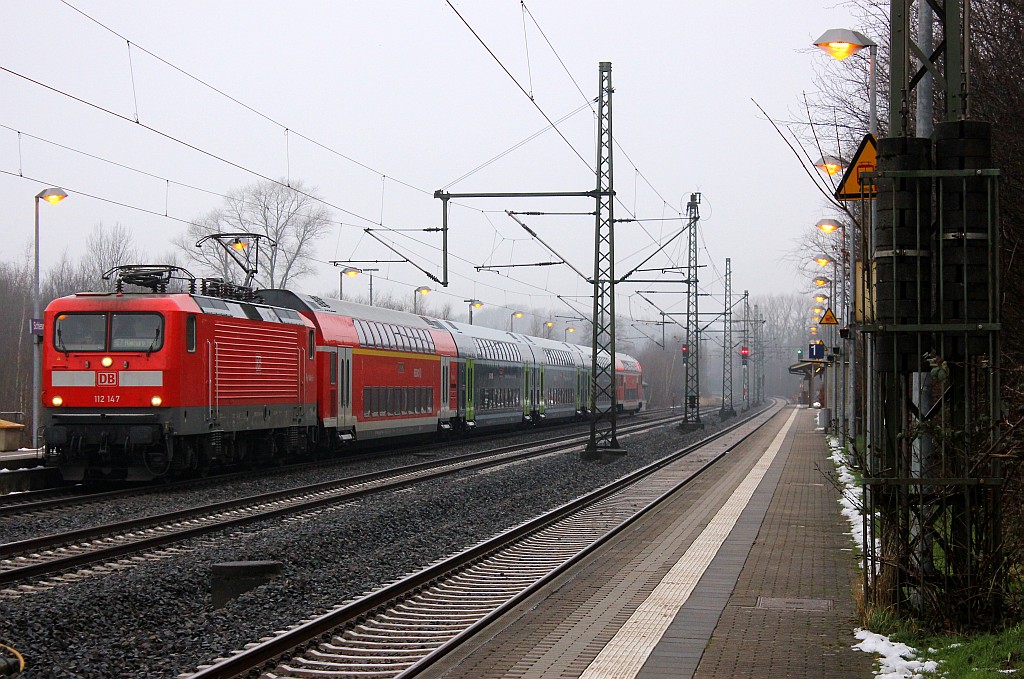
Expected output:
{"points": [[794, 604]]}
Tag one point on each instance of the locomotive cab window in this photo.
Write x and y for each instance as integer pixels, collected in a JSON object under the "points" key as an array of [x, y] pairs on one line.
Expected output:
{"points": [[190, 334], [136, 332], [80, 332]]}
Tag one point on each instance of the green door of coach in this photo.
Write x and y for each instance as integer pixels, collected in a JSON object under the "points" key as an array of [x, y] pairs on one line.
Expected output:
{"points": [[470, 390], [528, 390]]}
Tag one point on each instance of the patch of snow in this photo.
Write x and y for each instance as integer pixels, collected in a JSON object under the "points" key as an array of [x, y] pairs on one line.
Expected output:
{"points": [[898, 661], [852, 498]]}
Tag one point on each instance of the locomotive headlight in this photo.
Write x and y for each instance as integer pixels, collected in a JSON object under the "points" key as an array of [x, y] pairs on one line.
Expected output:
{"points": [[156, 400], [57, 401], [107, 361]]}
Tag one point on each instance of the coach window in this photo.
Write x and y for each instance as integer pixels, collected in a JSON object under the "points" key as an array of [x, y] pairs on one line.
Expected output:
{"points": [[190, 333], [334, 366]]}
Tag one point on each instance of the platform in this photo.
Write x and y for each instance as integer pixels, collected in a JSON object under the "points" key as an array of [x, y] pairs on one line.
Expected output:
{"points": [[25, 458], [746, 572]]}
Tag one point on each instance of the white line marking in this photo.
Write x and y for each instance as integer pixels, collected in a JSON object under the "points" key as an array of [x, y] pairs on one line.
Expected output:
{"points": [[629, 649]]}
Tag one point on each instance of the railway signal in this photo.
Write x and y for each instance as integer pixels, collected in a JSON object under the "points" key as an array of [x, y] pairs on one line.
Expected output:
{"points": [[744, 355]]}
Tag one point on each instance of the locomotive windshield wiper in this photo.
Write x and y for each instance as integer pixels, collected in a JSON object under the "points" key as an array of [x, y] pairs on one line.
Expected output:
{"points": [[60, 343], [156, 336]]}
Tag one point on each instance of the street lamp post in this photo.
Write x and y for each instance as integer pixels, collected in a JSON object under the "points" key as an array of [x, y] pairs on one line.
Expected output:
{"points": [[840, 273], [352, 272], [349, 271], [513, 317], [422, 290], [473, 304], [830, 165], [840, 43], [565, 333], [51, 196]]}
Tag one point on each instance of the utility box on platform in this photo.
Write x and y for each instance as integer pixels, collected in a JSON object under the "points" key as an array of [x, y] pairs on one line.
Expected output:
{"points": [[10, 435]]}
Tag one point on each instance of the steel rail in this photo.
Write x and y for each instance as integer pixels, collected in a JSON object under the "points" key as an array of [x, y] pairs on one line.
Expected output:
{"points": [[18, 557]]}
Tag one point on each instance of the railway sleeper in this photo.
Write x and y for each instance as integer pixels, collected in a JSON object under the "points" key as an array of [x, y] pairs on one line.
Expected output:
{"points": [[370, 645], [360, 654]]}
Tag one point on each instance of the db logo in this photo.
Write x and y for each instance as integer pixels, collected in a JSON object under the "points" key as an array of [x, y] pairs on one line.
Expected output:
{"points": [[106, 379]]}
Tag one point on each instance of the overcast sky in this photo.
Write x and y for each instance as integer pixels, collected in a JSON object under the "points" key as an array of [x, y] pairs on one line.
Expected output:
{"points": [[402, 99]]}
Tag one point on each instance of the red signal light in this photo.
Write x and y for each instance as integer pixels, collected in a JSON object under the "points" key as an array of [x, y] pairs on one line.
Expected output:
{"points": [[744, 352]]}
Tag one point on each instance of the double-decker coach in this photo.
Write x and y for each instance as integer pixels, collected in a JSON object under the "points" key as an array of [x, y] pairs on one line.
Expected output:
{"points": [[382, 373], [629, 393]]}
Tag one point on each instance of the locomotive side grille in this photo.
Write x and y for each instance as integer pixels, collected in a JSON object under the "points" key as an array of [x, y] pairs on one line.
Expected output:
{"points": [[257, 362]]}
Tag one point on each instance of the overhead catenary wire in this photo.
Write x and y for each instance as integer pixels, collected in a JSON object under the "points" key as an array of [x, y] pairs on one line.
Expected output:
{"points": [[519, 85], [287, 132], [210, 154], [547, 292], [235, 100], [541, 110]]}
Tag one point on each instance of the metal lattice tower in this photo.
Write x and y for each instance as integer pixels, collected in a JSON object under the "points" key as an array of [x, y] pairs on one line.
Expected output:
{"points": [[746, 343], [757, 356], [603, 401], [727, 408], [691, 399]]}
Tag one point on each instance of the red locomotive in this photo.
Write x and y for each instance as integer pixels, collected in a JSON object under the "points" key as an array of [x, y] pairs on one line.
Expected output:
{"points": [[143, 385]]}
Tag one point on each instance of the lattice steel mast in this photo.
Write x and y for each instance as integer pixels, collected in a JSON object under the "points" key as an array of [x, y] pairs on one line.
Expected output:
{"points": [[727, 408], [746, 343], [602, 367], [691, 401]]}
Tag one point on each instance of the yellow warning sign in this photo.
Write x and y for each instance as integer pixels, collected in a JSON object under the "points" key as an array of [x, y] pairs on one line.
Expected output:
{"points": [[863, 161], [828, 318]]}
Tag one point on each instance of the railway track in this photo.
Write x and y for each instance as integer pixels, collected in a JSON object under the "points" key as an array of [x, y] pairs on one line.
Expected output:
{"points": [[56, 557], [61, 499], [404, 627]]}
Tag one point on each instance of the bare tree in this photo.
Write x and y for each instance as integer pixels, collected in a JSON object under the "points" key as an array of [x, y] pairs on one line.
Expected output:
{"points": [[293, 217], [15, 340], [106, 249]]}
